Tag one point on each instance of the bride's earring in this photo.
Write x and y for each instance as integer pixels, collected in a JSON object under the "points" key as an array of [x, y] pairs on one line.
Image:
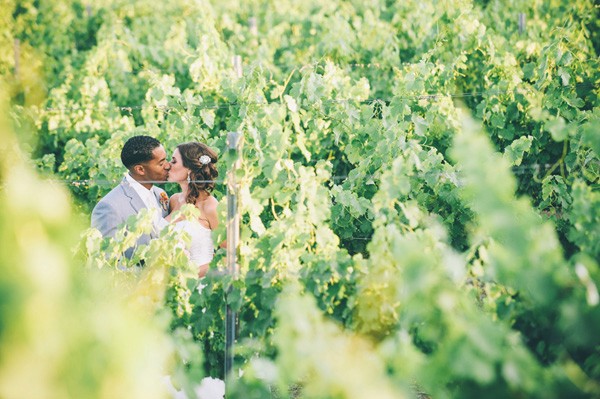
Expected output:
{"points": [[188, 178]]}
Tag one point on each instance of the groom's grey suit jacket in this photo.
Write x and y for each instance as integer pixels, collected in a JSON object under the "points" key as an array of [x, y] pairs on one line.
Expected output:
{"points": [[120, 203]]}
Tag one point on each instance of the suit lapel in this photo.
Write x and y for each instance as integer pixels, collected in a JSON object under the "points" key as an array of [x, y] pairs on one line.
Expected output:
{"points": [[156, 193], [134, 199]]}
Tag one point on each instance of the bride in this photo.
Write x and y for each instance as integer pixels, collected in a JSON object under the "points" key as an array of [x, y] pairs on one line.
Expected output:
{"points": [[193, 167]]}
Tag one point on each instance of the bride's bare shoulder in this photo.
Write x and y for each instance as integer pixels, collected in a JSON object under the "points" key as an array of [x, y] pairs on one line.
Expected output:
{"points": [[209, 209], [175, 201], [208, 205], [211, 202]]}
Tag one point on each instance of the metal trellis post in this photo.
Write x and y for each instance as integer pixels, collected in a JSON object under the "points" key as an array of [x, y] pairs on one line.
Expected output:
{"points": [[521, 23], [233, 235], [17, 55], [233, 231]]}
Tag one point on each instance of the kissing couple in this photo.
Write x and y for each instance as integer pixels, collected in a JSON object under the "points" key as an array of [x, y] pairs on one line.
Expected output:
{"points": [[192, 166]]}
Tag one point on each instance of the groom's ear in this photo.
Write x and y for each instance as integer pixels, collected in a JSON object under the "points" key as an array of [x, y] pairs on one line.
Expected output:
{"points": [[139, 169]]}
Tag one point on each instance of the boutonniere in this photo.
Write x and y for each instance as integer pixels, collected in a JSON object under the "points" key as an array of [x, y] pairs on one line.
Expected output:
{"points": [[164, 201]]}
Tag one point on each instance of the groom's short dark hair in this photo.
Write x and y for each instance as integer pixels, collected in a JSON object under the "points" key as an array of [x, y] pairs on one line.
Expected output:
{"points": [[138, 149]]}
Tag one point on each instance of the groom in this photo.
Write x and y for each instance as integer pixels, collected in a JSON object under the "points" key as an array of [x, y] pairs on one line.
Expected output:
{"points": [[146, 160]]}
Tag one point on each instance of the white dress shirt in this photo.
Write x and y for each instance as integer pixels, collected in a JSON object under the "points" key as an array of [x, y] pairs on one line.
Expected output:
{"points": [[150, 200], [147, 195]]}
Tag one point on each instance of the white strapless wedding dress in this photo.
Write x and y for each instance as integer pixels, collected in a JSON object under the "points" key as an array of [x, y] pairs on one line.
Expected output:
{"points": [[201, 247]]}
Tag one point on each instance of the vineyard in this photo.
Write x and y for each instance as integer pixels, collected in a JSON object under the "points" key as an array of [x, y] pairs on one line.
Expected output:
{"points": [[418, 190]]}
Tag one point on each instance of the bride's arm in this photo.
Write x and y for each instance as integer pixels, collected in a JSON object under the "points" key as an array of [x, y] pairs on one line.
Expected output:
{"points": [[211, 215], [210, 211], [202, 270], [173, 206]]}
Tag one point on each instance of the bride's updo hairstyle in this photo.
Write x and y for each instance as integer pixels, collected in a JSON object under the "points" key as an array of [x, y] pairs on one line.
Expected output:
{"points": [[201, 161]]}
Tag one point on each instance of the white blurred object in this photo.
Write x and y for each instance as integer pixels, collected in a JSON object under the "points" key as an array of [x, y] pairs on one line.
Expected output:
{"points": [[200, 287], [265, 370], [173, 392], [210, 388]]}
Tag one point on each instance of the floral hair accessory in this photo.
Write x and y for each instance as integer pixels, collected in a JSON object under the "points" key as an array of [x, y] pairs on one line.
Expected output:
{"points": [[204, 159]]}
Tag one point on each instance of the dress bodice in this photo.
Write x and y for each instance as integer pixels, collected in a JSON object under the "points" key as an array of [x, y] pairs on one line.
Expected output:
{"points": [[201, 247]]}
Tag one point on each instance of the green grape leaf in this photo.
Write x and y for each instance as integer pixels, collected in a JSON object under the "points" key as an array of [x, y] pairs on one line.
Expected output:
{"points": [[516, 150]]}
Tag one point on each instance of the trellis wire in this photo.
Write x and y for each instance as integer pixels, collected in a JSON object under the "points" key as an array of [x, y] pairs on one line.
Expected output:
{"points": [[225, 105], [521, 169]]}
